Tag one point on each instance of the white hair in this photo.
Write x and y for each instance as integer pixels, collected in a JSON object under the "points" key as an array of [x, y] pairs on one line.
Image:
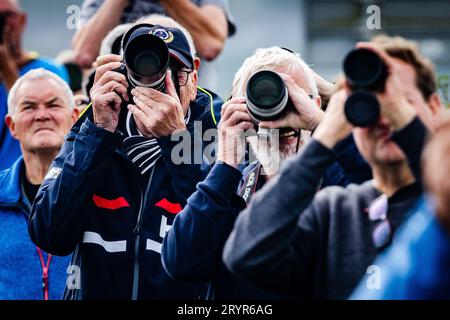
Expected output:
{"points": [[272, 58], [112, 36], [165, 21], [39, 74]]}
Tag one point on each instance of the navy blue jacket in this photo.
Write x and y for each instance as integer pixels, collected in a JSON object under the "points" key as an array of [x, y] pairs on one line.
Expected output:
{"points": [[95, 201], [192, 249], [21, 272]]}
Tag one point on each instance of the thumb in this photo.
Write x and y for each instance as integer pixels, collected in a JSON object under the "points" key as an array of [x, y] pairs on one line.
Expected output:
{"points": [[170, 87]]}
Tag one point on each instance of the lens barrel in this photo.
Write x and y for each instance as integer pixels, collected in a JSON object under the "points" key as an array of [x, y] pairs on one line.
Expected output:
{"points": [[366, 73], [362, 108], [365, 70], [267, 96], [146, 58]]}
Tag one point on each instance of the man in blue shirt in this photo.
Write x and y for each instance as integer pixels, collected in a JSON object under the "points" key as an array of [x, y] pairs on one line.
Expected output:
{"points": [[41, 112], [15, 62]]}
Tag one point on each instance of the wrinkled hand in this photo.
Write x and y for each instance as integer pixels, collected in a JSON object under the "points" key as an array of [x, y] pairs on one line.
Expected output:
{"points": [[334, 126], [393, 101], [157, 114], [307, 114], [234, 121], [109, 89]]}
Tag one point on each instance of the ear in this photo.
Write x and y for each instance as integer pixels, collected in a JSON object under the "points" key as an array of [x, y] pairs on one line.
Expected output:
{"points": [[435, 104], [194, 82], [75, 114], [23, 18], [11, 126], [318, 101], [437, 110], [197, 63]]}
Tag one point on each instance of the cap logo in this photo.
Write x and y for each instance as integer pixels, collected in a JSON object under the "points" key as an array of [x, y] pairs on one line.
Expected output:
{"points": [[164, 35]]}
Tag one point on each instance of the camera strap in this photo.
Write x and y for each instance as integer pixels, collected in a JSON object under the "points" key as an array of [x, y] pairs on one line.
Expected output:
{"points": [[251, 179], [176, 82], [248, 187]]}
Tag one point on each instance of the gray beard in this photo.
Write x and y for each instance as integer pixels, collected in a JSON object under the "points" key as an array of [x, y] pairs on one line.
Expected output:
{"points": [[271, 154]]}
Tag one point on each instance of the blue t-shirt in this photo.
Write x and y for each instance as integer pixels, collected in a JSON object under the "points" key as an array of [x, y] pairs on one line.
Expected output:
{"points": [[10, 147]]}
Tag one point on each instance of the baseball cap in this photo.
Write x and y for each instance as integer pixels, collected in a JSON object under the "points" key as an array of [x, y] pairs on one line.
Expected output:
{"points": [[174, 38]]}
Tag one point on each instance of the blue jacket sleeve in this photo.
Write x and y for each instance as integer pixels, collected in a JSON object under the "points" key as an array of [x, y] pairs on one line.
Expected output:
{"points": [[192, 249], [354, 167], [57, 217]]}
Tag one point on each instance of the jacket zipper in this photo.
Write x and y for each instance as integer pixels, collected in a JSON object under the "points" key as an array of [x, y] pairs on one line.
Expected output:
{"points": [[137, 228]]}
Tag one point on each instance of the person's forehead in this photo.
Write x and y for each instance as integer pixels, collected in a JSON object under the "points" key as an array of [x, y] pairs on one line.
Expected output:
{"points": [[39, 90], [407, 74]]}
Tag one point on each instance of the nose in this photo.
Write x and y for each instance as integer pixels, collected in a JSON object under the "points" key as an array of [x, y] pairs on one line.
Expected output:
{"points": [[42, 113], [382, 122]]}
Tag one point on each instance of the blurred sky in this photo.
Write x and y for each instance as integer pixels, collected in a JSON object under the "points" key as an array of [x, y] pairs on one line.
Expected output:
{"points": [[322, 30]]}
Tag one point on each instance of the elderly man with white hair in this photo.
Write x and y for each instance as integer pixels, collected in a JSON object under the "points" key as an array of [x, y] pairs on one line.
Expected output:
{"points": [[15, 61], [41, 112], [192, 248]]}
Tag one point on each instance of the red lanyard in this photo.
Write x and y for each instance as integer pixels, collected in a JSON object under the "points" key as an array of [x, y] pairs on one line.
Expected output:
{"points": [[45, 267]]}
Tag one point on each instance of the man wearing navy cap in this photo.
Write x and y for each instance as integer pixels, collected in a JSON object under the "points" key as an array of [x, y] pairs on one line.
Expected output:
{"points": [[111, 195]]}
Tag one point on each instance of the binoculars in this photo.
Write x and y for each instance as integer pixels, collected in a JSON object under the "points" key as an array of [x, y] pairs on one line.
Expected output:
{"points": [[366, 73]]}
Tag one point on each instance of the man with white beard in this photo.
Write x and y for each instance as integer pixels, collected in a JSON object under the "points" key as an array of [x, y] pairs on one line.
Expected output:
{"points": [[192, 249]]}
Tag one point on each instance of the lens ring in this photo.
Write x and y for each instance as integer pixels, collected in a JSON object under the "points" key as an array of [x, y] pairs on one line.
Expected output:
{"points": [[267, 95]]}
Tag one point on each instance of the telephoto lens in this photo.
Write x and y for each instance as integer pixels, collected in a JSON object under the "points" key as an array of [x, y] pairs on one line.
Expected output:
{"points": [[267, 96], [146, 58], [366, 73]]}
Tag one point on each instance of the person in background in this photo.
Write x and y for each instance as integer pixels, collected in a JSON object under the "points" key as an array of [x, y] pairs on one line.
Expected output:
{"points": [[76, 78], [15, 62], [41, 112], [208, 21], [416, 266]]}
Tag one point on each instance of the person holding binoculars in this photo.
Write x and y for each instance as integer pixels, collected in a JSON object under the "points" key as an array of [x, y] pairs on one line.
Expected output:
{"points": [[112, 193], [273, 87], [292, 241]]}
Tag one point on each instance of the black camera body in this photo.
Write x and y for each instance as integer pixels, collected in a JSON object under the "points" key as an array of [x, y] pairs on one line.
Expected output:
{"points": [[145, 58], [267, 96], [366, 73]]}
